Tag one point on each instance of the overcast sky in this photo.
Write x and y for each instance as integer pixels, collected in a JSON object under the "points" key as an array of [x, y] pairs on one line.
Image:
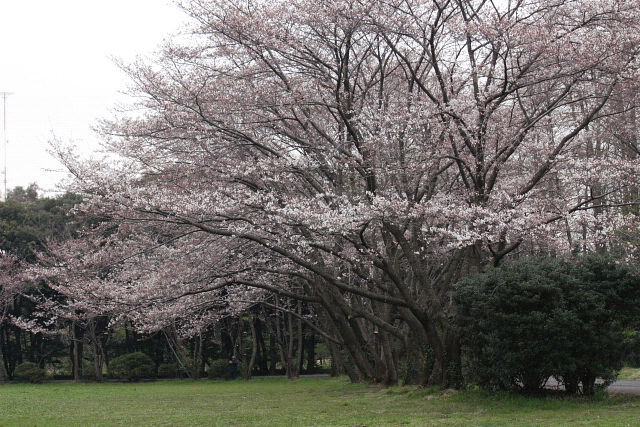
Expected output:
{"points": [[56, 57]]}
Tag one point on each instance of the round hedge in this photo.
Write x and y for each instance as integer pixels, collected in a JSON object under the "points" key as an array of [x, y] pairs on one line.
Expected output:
{"points": [[538, 318], [29, 371], [132, 367], [168, 370]]}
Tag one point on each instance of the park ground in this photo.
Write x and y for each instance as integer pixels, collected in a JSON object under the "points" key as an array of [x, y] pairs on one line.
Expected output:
{"points": [[308, 401], [629, 374]]}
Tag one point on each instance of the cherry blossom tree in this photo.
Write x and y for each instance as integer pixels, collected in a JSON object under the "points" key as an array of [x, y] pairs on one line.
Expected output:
{"points": [[361, 156]]}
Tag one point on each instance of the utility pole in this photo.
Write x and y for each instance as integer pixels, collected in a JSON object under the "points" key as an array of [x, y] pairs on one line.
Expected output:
{"points": [[4, 135]]}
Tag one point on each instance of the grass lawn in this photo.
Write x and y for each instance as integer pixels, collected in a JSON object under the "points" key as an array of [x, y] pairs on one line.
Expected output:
{"points": [[629, 374], [310, 401]]}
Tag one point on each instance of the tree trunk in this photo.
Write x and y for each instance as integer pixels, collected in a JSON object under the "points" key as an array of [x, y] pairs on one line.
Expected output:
{"points": [[338, 362], [350, 333], [7, 365], [195, 362], [98, 359], [76, 353], [290, 365], [311, 354], [273, 353], [391, 374], [298, 366], [254, 347], [262, 347], [3, 375], [336, 365], [447, 369]]}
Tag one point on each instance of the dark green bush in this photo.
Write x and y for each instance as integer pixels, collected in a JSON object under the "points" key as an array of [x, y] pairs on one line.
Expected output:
{"points": [[243, 370], [132, 367], [88, 370], [168, 370], [632, 359], [29, 371], [533, 319], [219, 368], [606, 299]]}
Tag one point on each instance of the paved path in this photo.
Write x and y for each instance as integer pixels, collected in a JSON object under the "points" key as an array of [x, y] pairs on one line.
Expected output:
{"points": [[626, 386]]}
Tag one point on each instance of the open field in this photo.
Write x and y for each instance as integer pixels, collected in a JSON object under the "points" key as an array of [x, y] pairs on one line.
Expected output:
{"points": [[310, 401], [629, 374]]}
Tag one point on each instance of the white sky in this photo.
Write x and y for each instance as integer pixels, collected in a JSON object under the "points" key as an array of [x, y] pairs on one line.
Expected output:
{"points": [[56, 59]]}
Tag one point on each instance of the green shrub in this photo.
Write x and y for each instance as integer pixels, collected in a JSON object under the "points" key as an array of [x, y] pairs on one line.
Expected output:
{"points": [[29, 371], [219, 368], [167, 370], [132, 367], [88, 370], [533, 319], [605, 298], [243, 370], [632, 359]]}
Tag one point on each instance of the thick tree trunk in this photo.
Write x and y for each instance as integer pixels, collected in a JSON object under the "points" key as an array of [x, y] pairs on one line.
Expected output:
{"points": [[356, 354], [391, 375], [447, 369], [352, 338], [98, 361], [98, 351], [588, 384], [338, 363]]}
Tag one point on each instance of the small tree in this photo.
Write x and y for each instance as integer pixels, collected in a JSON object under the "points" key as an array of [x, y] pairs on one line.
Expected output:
{"points": [[542, 317]]}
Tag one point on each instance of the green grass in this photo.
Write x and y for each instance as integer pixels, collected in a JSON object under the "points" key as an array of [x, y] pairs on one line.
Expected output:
{"points": [[629, 374], [312, 401]]}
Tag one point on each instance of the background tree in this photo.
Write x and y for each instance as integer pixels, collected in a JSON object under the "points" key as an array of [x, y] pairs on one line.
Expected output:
{"points": [[26, 224]]}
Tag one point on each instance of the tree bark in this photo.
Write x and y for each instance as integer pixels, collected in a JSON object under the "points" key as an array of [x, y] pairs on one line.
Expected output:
{"points": [[76, 352], [3, 375], [254, 347], [290, 365], [311, 353], [98, 354], [298, 365]]}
